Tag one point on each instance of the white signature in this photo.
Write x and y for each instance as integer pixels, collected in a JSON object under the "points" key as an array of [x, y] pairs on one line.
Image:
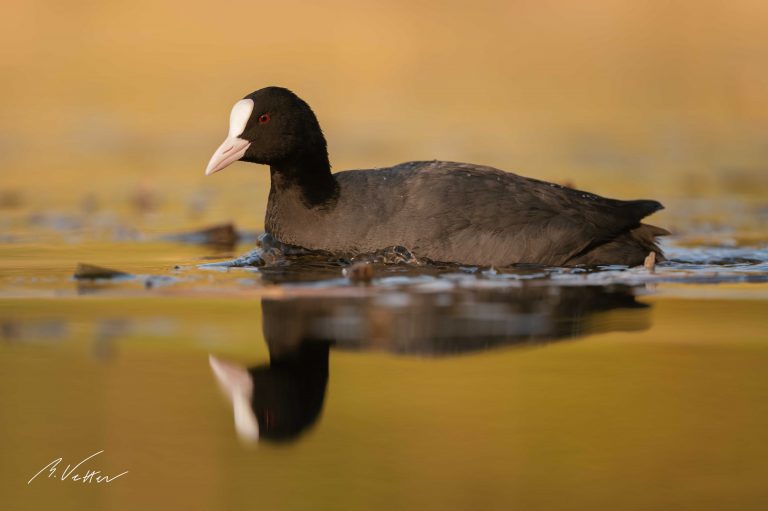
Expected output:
{"points": [[90, 476]]}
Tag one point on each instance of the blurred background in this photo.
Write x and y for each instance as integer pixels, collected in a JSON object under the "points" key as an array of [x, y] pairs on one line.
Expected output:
{"points": [[119, 105]]}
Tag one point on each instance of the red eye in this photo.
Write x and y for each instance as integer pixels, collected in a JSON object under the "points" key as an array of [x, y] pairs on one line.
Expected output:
{"points": [[263, 118]]}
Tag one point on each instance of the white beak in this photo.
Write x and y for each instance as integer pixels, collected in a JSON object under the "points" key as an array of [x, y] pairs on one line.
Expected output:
{"points": [[230, 151]]}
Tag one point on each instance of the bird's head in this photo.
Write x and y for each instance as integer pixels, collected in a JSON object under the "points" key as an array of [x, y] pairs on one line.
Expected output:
{"points": [[269, 126]]}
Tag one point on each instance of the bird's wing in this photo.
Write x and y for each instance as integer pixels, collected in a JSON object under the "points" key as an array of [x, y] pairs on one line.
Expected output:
{"points": [[516, 218]]}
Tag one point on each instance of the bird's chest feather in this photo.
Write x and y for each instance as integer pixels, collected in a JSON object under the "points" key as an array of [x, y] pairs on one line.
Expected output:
{"points": [[291, 220], [348, 225]]}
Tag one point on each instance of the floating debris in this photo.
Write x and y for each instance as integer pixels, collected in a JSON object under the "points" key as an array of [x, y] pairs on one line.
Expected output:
{"points": [[257, 257], [89, 271], [359, 273], [153, 281], [221, 235], [396, 254]]}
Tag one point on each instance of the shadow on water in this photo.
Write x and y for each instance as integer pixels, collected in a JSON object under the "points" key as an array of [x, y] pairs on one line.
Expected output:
{"points": [[282, 399]]}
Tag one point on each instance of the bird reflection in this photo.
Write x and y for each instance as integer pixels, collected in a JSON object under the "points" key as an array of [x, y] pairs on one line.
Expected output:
{"points": [[281, 400]]}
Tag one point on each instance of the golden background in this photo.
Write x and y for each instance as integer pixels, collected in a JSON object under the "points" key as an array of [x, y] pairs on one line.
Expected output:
{"points": [[658, 99]]}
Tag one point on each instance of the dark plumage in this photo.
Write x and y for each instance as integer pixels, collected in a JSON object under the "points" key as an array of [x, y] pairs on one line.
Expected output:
{"points": [[443, 211]]}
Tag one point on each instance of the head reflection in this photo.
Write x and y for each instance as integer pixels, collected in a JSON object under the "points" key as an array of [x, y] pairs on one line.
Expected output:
{"points": [[281, 400]]}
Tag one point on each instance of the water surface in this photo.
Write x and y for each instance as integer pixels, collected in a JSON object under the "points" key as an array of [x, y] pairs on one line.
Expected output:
{"points": [[432, 387]]}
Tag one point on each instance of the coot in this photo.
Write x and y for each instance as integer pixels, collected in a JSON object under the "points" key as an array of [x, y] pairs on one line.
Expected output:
{"points": [[439, 210]]}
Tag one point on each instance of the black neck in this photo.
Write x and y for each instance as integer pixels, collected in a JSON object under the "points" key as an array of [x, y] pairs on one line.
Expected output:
{"points": [[310, 172]]}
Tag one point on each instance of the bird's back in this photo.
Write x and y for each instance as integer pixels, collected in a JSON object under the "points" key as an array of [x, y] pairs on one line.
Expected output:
{"points": [[458, 212]]}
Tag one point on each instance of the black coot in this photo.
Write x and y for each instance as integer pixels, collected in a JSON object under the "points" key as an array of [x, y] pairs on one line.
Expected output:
{"points": [[444, 211]]}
